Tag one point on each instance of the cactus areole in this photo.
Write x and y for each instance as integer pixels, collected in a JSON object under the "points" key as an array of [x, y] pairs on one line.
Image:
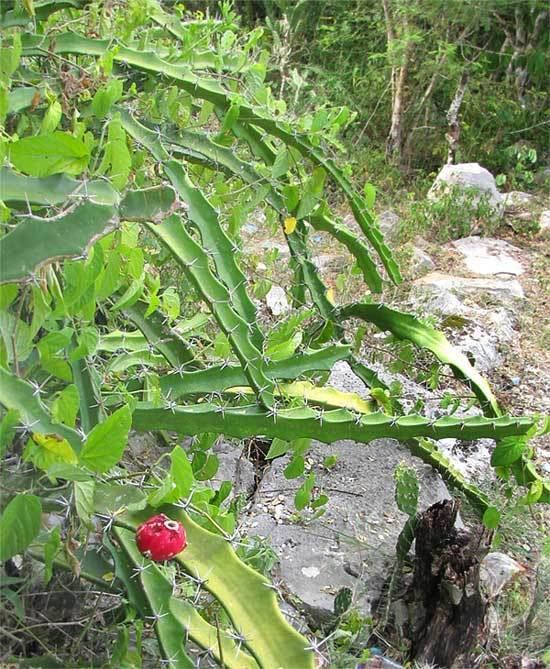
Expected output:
{"points": [[160, 538]]}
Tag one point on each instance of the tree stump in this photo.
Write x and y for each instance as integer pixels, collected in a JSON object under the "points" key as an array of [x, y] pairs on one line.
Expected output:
{"points": [[449, 608]]}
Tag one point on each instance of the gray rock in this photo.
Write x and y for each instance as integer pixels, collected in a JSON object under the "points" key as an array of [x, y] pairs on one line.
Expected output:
{"points": [[326, 262], [542, 176], [517, 200], [234, 467], [421, 262], [353, 543], [544, 222], [276, 301], [390, 224], [269, 245], [342, 378], [504, 291], [496, 571], [471, 177], [488, 256]]}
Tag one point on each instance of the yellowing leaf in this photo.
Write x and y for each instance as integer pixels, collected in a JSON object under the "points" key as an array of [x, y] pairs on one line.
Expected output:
{"points": [[56, 445], [290, 225], [330, 295]]}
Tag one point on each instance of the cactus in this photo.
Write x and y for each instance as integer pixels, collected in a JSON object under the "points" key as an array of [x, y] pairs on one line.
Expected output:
{"points": [[218, 378], [197, 147], [194, 261], [326, 426], [176, 618], [250, 602], [405, 326], [211, 91], [37, 241], [170, 346]]}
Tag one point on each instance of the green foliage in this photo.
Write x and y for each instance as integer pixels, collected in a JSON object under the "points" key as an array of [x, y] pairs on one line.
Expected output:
{"points": [[19, 525], [126, 304]]}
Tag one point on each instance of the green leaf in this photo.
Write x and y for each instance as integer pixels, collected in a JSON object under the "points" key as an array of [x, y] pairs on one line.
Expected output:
{"points": [[8, 293], [10, 56], [312, 193], [7, 429], [181, 472], [43, 155], [295, 467], [491, 518], [208, 469], [508, 450], [534, 494], [66, 405], [61, 470], [330, 461], [282, 164], [116, 159], [303, 494], [370, 195], [84, 500], [51, 548], [106, 442], [44, 450], [51, 118], [171, 303], [88, 340], [278, 447], [58, 367], [106, 97], [130, 296], [19, 525], [54, 342], [231, 117]]}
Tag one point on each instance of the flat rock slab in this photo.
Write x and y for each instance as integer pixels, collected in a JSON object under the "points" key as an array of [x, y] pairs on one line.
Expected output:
{"points": [[488, 256], [501, 290], [353, 544]]}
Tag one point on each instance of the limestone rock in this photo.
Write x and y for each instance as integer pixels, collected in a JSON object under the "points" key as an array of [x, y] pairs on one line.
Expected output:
{"points": [[488, 256], [276, 301], [234, 467], [421, 262], [544, 222], [517, 200], [469, 177], [353, 544], [500, 290], [497, 570], [389, 223]]}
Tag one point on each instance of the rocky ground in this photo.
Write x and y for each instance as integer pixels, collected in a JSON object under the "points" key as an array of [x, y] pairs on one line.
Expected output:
{"points": [[490, 296]]}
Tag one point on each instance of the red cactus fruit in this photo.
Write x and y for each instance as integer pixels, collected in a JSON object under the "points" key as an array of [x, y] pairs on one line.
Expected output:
{"points": [[160, 538]]}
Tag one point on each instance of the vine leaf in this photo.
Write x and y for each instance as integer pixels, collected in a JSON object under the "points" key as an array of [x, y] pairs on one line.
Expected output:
{"points": [[42, 155], [106, 442], [19, 525]]}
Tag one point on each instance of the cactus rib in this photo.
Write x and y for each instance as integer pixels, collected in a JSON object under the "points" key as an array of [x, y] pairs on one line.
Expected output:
{"points": [[220, 377], [171, 347], [328, 426], [203, 216], [247, 597], [35, 242], [406, 326], [35, 45], [15, 393], [180, 612], [172, 233]]}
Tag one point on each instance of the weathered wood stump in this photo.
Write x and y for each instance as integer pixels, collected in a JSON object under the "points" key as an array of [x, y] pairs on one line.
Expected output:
{"points": [[449, 608]]}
